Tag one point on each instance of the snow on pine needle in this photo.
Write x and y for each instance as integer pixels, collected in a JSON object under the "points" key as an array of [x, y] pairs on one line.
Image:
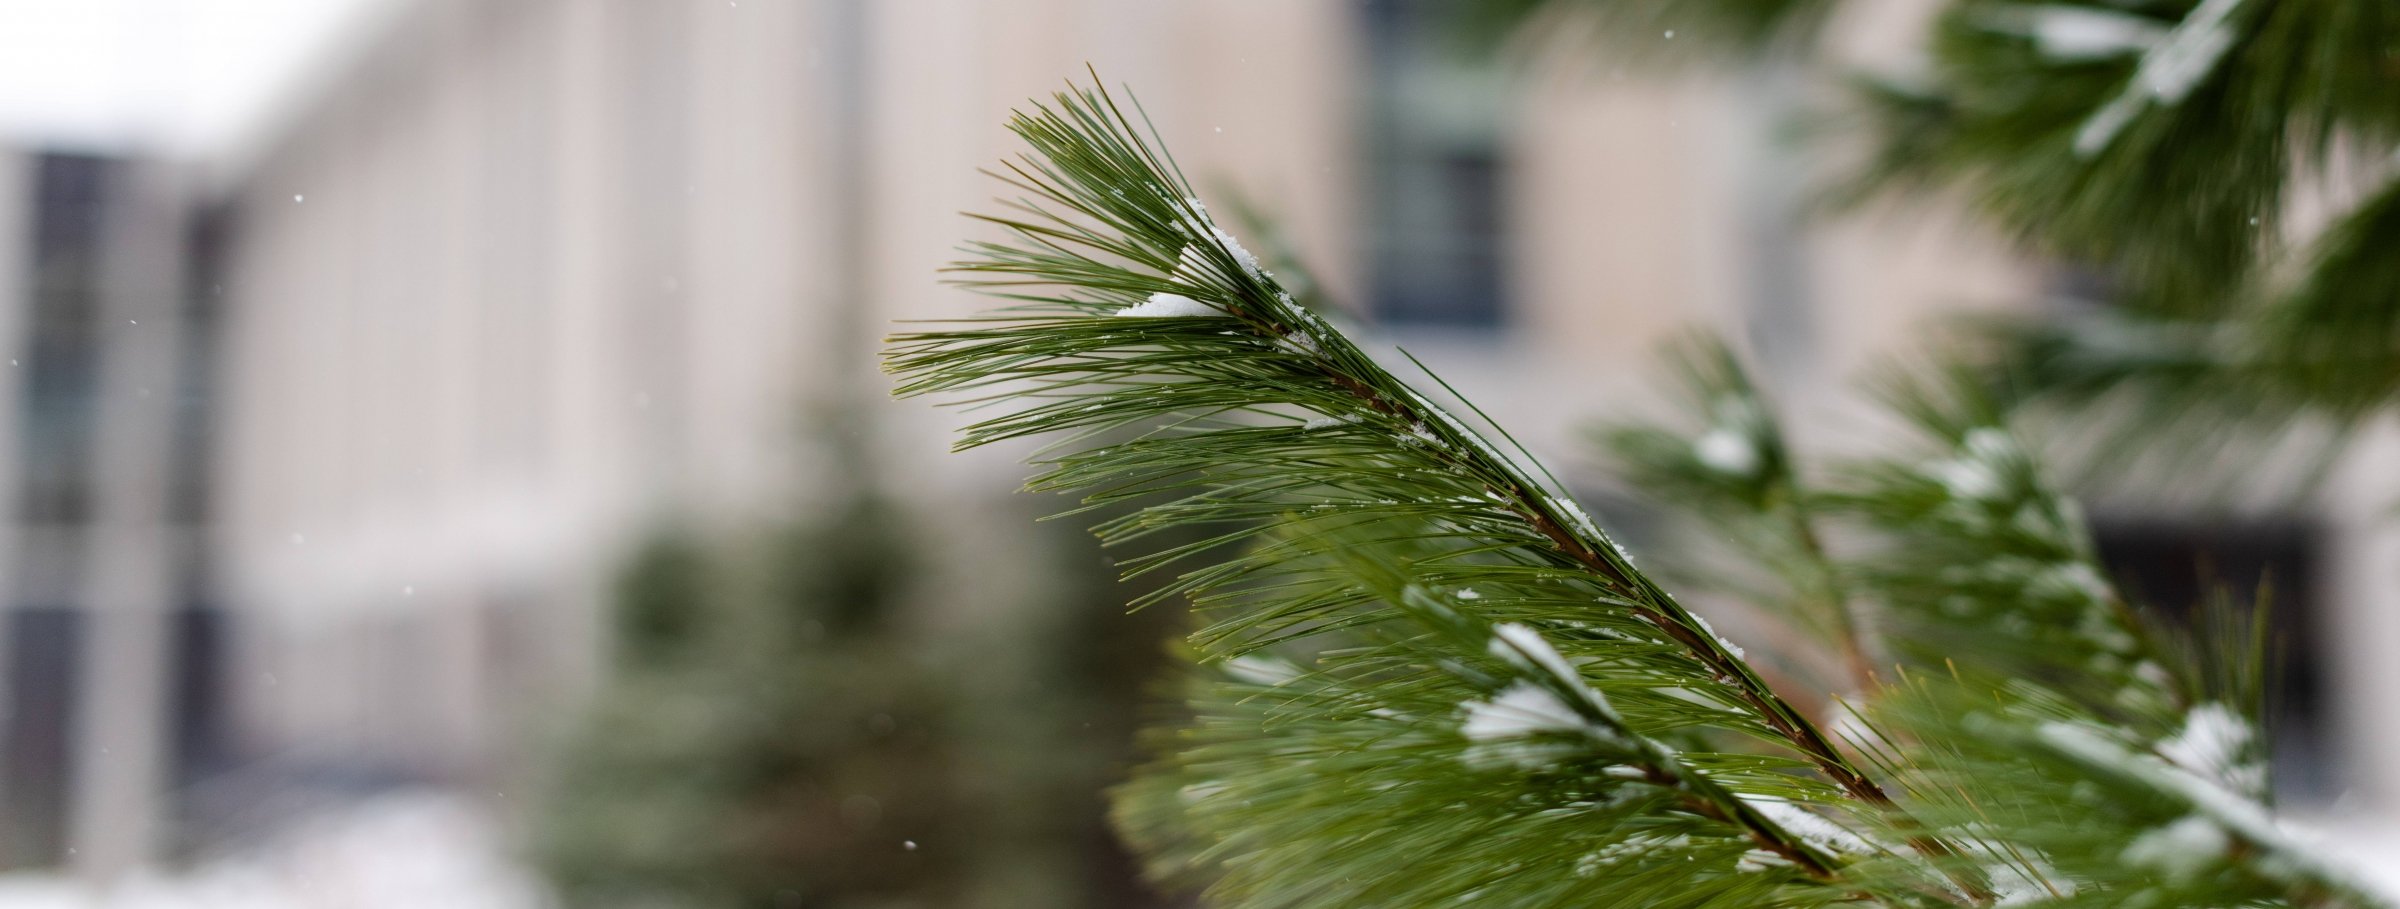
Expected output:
{"points": [[1428, 677]]}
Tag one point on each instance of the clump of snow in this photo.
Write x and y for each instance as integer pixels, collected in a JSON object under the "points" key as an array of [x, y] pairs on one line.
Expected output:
{"points": [[1525, 708], [1622, 552], [1503, 729], [1261, 670], [1757, 860], [1169, 306], [2024, 878], [1191, 267], [2180, 850], [1468, 593], [1728, 451], [1527, 649], [2148, 688], [1730, 647], [1990, 443], [2173, 68], [1731, 444], [2089, 743], [1583, 522], [1242, 257], [1316, 423], [2078, 579], [2018, 876], [1308, 325], [1233, 247], [2215, 743], [2169, 70], [1196, 793], [1299, 340], [1977, 474], [1967, 480], [2072, 33], [2152, 673], [1521, 710], [1633, 847], [1810, 826]]}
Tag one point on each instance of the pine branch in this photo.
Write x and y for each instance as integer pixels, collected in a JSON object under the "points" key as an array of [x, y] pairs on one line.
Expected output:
{"points": [[1278, 334]]}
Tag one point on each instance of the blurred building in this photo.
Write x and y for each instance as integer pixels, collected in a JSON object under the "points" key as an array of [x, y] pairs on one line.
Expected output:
{"points": [[525, 279], [529, 277], [109, 639]]}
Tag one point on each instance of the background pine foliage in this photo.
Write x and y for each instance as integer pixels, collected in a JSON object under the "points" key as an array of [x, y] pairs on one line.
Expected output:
{"points": [[2222, 171], [778, 729]]}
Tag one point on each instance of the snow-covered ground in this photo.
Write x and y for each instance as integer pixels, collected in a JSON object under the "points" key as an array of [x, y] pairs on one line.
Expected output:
{"points": [[432, 850], [415, 850]]}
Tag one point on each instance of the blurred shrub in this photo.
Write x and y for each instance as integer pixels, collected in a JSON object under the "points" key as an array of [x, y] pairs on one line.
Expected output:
{"points": [[776, 733]]}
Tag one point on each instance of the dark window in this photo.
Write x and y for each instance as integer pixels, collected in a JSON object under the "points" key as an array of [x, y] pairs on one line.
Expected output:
{"points": [[208, 239], [60, 356], [201, 637], [36, 756], [1435, 172], [2176, 567]]}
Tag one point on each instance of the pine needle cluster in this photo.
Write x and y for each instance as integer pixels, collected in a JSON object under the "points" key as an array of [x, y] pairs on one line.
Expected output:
{"points": [[1426, 676]]}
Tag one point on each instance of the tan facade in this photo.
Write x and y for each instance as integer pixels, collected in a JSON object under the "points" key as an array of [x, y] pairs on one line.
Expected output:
{"points": [[533, 276]]}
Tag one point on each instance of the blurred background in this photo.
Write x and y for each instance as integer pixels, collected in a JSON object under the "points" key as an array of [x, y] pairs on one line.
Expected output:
{"points": [[443, 460]]}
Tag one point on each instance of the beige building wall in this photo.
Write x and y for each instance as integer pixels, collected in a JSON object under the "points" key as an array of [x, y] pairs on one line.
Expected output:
{"points": [[531, 277]]}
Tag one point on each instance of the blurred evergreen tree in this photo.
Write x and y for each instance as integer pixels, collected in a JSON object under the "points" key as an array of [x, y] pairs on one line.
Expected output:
{"points": [[776, 732]]}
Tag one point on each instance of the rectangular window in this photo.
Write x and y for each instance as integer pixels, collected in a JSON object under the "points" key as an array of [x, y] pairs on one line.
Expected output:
{"points": [[1434, 172], [44, 652], [61, 352]]}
